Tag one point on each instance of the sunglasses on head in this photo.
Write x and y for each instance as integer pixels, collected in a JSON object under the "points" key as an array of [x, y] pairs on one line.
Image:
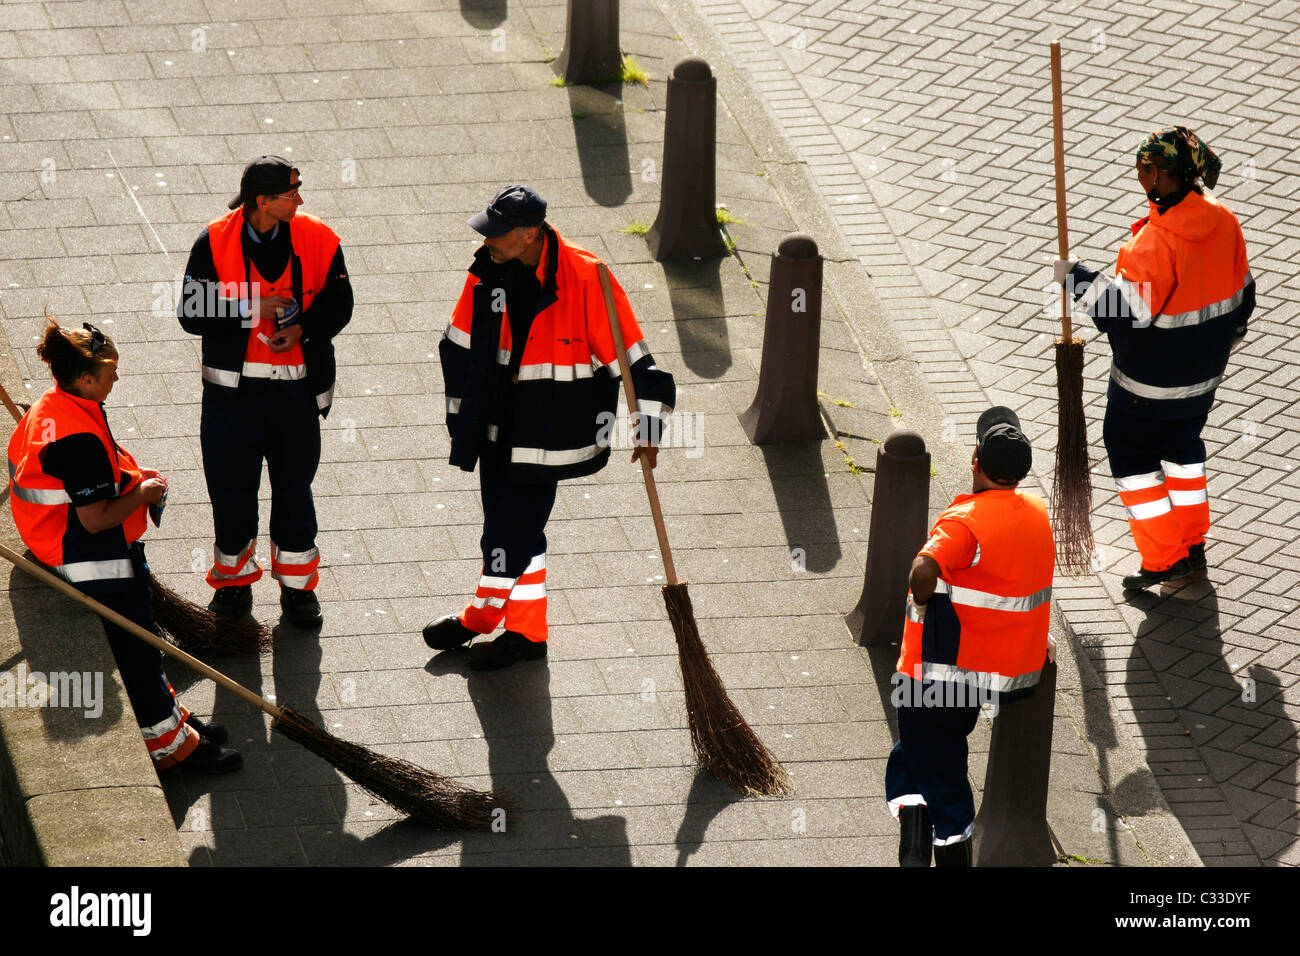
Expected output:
{"points": [[97, 339]]}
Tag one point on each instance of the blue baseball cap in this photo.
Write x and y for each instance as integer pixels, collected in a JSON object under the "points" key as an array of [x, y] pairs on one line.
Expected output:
{"points": [[511, 208]]}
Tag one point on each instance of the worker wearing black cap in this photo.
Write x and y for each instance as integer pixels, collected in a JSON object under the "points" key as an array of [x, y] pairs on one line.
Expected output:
{"points": [[267, 289], [531, 377], [976, 633]]}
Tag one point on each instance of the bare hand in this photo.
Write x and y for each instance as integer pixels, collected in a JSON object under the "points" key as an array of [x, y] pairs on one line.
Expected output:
{"points": [[285, 339], [650, 453], [153, 488], [266, 305]]}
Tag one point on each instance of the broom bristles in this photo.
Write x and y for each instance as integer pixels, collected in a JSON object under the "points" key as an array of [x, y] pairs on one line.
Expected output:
{"points": [[1072, 484], [198, 631], [417, 792], [724, 744]]}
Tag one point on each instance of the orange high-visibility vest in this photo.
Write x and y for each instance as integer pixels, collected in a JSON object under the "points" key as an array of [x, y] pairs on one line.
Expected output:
{"points": [[314, 245], [41, 505], [1001, 603]]}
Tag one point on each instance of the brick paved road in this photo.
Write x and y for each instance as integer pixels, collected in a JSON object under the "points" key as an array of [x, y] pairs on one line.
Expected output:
{"points": [[927, 126]]}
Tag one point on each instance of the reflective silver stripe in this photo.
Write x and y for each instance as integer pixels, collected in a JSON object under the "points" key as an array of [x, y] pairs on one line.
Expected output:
{"points": [[914, 614], [221, 376], [492, 432], [906, 800], [96, 570], [555, 456], [177, 742], [560, 373], [1152, 479], [299, 582], [492, 583], [977, 555], [636, 350], [1160, 391], [1181, 497], [488, 602], [41, 496], [503, 356], [277, 373], [1137, 306], [528, 592], [1197, 316], [164, 726], [294, 557], [983, 679], [453, 405], [537, 564], [231, 560], [326, 398], [1149, 509], [959, 838], [1194, 470], [457, 336], [658, 409], [1095, 292], [993, 602]]}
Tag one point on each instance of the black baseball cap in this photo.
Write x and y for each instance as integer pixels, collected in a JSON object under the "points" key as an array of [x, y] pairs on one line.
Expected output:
{"points": [[1003, 450], [265, 176], [511, 208]]}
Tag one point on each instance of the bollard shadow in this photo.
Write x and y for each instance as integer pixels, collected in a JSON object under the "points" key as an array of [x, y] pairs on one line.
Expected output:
{"points": [[803, 499], [50, 629], [514, 708], [600, 131], [700, 314], [1240, 730], [484, 14], [708, 797]]}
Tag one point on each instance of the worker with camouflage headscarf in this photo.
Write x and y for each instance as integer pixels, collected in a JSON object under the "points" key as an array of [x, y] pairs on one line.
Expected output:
{"points": [[1181, 295]]}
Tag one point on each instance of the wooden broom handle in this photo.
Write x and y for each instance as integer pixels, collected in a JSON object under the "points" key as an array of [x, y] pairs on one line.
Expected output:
{"points": [[54, 581], [9, 404], [611, 313], [1058, 142]]}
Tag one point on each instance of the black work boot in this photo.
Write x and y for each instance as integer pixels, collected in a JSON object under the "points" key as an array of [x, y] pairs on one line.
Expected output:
{"points": [[444, 633], [1144, 578], [1196, 557], [214, 732], [504, 651], [209, 757], [953, 854], [301, 607], [233, 601], [917, 836]]}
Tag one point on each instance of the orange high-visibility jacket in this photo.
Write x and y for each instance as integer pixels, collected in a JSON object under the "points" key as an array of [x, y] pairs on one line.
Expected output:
{"points": [[43, 511], [314, 245], [987, 624]]}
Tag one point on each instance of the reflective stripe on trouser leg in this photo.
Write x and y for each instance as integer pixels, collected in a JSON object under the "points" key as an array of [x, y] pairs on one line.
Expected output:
{"points": [[526, 606], [232, 569], [488, 606], [172, 739], [1156, 529], [1190, 499], [295, 569]]}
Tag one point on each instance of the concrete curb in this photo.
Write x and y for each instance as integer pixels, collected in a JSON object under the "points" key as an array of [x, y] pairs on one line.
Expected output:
{"points": [[75, 790]]}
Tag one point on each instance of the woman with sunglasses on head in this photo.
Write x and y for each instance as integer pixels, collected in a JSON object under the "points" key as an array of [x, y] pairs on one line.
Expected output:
{"points": [[80, 503]]}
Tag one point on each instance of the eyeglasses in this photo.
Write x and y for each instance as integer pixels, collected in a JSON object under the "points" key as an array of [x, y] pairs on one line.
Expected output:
{"points": [[97, 339], [292, 194]]}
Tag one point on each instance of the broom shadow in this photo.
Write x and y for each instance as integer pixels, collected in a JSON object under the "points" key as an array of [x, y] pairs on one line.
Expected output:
{"points": [[708, 797]]}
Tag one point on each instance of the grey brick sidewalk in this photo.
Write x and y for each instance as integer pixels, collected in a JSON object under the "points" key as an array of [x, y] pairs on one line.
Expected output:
{"points": [[126, 130], [927, 126]]}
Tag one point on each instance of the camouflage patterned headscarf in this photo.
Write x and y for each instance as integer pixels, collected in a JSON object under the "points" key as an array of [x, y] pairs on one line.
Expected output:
{"points": [[1179, 150]]}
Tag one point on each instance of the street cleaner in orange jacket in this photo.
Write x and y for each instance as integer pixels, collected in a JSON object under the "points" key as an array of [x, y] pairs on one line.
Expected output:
{"points": [[80, 503], [976, 632], [532, 383], [1182, 294]]}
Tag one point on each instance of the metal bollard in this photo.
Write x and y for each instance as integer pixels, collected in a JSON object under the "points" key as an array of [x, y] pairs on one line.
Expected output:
{"points": [[591, 53], [899, 510], [1011, 827], [687, 224], [785, 408]]}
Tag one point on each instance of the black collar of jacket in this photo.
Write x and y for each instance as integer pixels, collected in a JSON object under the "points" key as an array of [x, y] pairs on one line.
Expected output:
{"points": [[483, 264]]}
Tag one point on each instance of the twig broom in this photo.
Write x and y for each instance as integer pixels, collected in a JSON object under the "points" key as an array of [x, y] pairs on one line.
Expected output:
{"points": [[1072, 482], [417, 792], [724, 744], [194, 628]]}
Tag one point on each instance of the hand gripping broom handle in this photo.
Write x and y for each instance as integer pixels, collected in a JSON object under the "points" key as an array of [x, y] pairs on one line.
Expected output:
{"points": [[108, 614], [611, 313], [1058, 142]]}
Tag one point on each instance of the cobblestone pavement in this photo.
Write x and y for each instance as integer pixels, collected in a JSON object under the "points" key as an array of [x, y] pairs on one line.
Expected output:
{"points": [[928, 127]]}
